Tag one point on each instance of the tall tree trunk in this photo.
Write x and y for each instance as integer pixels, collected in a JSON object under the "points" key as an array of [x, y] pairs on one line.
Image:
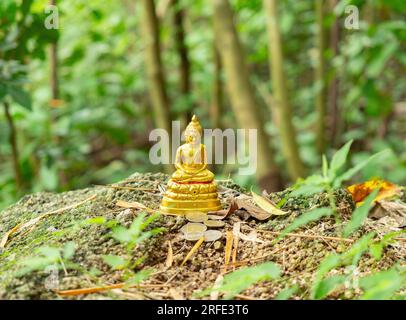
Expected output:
{"points": [[241, 92], [155, 73], [287, 131], [54, 84], [182, 50], [320, 79], [333, 89], [14, 147], [216, 106]]}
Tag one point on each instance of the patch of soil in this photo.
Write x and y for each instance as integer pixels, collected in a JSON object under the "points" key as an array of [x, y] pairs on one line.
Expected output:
{"points": [[298, 257]]}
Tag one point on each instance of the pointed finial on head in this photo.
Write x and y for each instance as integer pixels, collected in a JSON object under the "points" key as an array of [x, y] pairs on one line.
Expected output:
{"points": [[194, 124]]}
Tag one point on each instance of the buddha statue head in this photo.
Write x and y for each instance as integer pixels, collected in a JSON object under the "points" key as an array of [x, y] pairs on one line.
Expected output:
{"points": [[193, 131]]}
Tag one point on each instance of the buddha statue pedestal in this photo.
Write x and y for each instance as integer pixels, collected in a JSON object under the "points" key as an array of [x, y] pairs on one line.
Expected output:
{"points": [[192, 186]]}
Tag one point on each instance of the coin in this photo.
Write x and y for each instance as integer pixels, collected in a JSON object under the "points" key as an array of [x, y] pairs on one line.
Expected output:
{"points": [[214, 223], [212, 235], [196, 216], [193, 236], [192, 227]]}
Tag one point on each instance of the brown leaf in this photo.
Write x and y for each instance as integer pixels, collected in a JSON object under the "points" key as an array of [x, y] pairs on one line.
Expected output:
{"points": [[221, 214], [395, 210], [267, 205], [258, 213]]}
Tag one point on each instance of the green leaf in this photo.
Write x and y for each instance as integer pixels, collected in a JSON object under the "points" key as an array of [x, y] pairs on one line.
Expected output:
{"points": [[3, 91], [304, 219], [381, 285], [348, 174], [376, 250], [359, 214], [69, 250], [306, 190], [50, 252], [121, 234], [339, 159], [139, 277], [286, 293], [327, 285], [20, 96], [242, 279], [115, 262]]}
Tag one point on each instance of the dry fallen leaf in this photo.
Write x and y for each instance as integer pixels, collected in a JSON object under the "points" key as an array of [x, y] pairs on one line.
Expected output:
{"points": [[169, 257], [244, 202], [224, 213], [193, 250], [360, 191], [267, 205], [389, 208]]}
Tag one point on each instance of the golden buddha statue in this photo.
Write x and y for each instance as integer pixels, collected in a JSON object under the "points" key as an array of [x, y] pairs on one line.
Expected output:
{"points": [[192, 186]]}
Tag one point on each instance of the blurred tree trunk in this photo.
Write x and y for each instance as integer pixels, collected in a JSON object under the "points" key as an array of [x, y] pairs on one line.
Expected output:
{"points": [[333, 89], [184, 62], [155, 73], [241, 92], [289, 143], [216, 106], [14, 147], [321, 106], [54, 83]]}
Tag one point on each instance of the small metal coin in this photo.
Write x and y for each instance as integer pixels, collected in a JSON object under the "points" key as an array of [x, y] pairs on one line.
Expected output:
{"points": [[212, 235], [196, 216], [192, 227], [193, 236], [214, 223]]}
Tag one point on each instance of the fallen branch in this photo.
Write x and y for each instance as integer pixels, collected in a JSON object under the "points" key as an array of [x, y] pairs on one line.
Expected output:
{"points": [[77, 292]]}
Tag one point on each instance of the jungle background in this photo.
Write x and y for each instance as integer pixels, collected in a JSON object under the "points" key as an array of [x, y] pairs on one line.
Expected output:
{"points": [[79, 101]]}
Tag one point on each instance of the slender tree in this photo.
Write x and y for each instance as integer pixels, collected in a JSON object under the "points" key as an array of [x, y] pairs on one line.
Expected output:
{"points": [[321, 103], [155, 73], [216, 106], [333, 89], [281, 102], [241, 92], [14, 147]]}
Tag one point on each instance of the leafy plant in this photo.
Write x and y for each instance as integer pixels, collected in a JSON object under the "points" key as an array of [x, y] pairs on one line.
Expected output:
{"points": [[130, 238], [50, 256], [240, 280]]}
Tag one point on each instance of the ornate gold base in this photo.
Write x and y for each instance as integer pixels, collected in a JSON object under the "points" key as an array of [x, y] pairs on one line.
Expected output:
{"points": [[183, 206]]}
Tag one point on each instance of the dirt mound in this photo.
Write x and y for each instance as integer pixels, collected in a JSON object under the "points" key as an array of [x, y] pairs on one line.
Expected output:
{"points": [[297, 255]]}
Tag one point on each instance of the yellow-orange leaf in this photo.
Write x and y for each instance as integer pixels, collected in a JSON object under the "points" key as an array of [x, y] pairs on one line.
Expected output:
{"points": [[360, 191]]}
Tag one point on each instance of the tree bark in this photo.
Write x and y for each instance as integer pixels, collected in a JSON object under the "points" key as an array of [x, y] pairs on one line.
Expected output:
{"points": [[333, 89], [282, 105], [320, 79], [183, 54], [216, 106], [155, 73], [14, 147], [241, 92]]}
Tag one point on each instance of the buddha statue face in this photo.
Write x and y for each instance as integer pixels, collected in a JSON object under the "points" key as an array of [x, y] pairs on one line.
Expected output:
{"points": [[192, 136]]}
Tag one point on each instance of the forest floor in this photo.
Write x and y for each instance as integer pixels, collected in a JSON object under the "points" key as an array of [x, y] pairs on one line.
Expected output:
{"points": [[298, 255]]}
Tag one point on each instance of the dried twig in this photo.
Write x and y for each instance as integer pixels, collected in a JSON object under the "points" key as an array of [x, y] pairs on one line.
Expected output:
{"points": [[77, 292], [309, 236]]}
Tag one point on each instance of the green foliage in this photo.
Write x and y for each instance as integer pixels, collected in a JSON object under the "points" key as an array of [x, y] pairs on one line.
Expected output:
{"points": [[360, 214], [382, 285], [286, 293], [136, 233], [240, 280], [49, 256], [305, 218]]}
